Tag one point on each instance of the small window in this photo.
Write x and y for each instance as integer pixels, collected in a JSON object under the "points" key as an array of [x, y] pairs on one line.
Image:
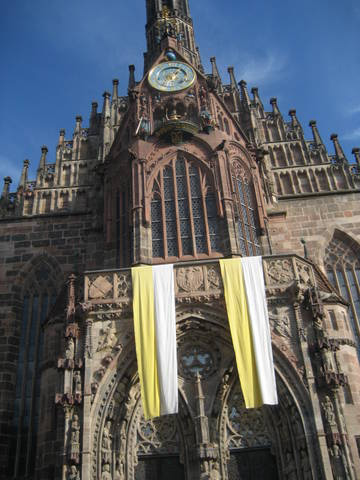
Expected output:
{"points": [[333, 322], [348, 395], [357, 440]]}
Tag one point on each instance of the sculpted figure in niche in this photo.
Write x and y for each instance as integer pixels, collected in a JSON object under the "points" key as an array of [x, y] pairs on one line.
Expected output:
{"points": [[281, 322], [106, 475], [75, 430], [305, 465], [108, 339], [204, 475], [290, 468], [328, 410], [119, 472], [337, 462], [73, 473], [70, 349], [106, 443], [77, 382], [215, 474], [328, 364]]}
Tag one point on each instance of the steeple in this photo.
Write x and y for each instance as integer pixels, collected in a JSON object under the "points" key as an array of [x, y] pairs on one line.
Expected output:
{"points": [[169, 24]]}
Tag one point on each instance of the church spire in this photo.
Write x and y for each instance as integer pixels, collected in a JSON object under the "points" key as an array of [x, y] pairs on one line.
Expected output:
{"points": [[169, 24]]}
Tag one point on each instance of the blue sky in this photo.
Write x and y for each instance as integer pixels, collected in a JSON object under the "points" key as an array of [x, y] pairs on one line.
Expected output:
{"points": [[57, 57]]}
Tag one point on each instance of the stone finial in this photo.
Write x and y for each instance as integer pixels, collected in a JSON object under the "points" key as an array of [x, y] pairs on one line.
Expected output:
{"points": [[317, 139], [6, 189], [356, 152], [338, 150], [106, 104], [94, 106], [78, 120], [115, 89], [131, 77], [256, 96], [233, 82], [214, 69], [93, 117], [273, 103], [294, 121], [61, 137], [244, 92], [303, 241], [24, 174], [44, 151]]}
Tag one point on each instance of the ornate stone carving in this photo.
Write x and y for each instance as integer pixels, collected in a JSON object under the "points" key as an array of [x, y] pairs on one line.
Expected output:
{"points": [[328, 410], [280, 271], [77, 389], [214, 278], [290, 467], [101, 287], [106, 443], [123, 284], [73, 473], [196, 358], [280, 321], [107, 339], [70, 349], [189, 279], [74, 452], [305, 465], [246, 428], [106, 475]]}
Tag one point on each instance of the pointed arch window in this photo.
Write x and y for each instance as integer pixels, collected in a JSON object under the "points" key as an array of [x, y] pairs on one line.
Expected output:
{"points": [[247, 221], [40, 294], [343, 271], [184, 216]]}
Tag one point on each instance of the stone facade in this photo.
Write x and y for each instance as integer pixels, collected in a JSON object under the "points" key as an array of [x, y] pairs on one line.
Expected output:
{"points": [[183, 177]]}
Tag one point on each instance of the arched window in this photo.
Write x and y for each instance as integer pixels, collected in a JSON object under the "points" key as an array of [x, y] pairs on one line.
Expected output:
{"points": [[342, 265], [184, 216], [39, 296], [246, 212]]}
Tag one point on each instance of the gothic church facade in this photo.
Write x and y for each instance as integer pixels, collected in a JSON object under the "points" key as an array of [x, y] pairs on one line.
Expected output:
{"points": [[183, 169]]}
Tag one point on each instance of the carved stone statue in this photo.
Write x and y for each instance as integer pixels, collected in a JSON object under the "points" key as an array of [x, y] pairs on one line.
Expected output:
{"points": [[106, 443], [119, 472], [73, 474], [108, 339], [290, 469], [77, 383], [281, 322], [328, 410], [337, 462], [215, 474], [106, 475], [75, 439], [305, 465], [75, 430], [70, 348]]}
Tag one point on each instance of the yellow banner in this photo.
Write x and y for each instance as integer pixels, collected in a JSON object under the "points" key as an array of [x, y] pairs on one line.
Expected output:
{"points": [[145, 341], [238, 315]]}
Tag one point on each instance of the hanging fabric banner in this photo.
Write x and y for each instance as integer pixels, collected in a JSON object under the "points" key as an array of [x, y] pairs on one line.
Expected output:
{"points": [[245, 298], [155, 338]]}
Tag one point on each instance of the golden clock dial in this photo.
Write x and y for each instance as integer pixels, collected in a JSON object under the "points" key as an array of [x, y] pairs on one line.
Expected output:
{"points": [[172, 76]]}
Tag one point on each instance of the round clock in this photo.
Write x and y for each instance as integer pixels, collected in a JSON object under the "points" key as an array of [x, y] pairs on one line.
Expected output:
{"points": [[172, 76]]}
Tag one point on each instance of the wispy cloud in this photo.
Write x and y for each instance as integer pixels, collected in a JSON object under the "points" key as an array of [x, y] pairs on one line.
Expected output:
{"points": [[262, 68], [353, 109], [353, 135]]}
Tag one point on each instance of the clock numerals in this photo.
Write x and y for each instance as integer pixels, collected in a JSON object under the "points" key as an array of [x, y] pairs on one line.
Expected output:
{"points": [[172, 76]]}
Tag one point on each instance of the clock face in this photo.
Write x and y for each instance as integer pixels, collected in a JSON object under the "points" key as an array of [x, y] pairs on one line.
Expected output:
{"points": [[172, 76]]}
